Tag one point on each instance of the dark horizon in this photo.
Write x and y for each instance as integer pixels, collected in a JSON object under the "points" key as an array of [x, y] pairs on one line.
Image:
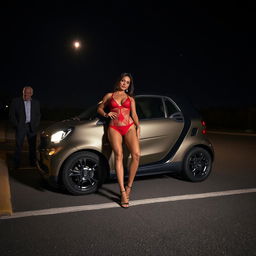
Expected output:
{"points": [[198, 50]]}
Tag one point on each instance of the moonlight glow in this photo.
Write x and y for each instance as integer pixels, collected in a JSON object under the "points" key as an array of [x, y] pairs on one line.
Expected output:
{"points": [[77, 44]]}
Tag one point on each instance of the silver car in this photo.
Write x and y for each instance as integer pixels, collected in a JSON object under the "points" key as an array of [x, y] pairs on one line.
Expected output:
{"points": [[76, 153]]}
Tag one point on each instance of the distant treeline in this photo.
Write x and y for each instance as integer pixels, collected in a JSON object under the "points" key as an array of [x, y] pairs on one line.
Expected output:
{"points": [[216, 118], [243, 119]]}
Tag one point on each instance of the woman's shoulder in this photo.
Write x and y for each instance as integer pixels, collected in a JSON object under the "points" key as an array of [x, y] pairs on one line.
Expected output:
{"points": [[108, 95], [131, 98]]}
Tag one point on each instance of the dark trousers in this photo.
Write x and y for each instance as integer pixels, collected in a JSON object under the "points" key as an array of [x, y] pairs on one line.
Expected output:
{"points": [[31, 137]]}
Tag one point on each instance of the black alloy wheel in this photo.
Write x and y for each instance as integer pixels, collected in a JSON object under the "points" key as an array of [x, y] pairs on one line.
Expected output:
{"points": [[83, 173], [197, 164]]}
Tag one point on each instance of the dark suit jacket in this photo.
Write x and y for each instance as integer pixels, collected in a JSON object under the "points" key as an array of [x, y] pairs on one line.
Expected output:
{"points": [[17, 114]]}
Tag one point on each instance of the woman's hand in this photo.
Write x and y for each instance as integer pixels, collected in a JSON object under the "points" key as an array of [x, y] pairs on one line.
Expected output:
{"points": [[112, 115]]}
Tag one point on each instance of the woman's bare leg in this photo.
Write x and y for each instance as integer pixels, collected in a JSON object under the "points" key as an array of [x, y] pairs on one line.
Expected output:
{"points": [[133, 146], [115, 139]]}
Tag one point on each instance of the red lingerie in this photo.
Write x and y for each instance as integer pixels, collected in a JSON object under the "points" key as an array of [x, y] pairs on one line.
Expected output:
{"points": [[123, 121]]}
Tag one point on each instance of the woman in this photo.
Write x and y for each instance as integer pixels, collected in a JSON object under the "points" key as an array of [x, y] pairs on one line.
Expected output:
{"points": [[124, 124]]}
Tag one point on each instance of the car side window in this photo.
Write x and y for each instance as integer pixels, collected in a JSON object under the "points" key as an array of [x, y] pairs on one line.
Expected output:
{"points": [[149, 107], [170, 107], [89, 114]]}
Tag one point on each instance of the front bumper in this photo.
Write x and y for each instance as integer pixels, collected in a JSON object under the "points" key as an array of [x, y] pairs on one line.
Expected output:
{"points": [[44, 170], [46, 163]]}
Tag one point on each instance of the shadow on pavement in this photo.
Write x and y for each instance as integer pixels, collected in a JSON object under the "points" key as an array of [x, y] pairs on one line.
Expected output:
{"points": [[29, 176], [103, 191]]}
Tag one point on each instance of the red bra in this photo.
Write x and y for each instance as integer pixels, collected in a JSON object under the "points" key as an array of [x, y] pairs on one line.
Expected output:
{"points": [[113, 103]]}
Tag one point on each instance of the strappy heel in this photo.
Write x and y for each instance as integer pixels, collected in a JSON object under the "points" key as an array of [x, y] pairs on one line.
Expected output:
{"points": [[130, 188], [124, 204]]}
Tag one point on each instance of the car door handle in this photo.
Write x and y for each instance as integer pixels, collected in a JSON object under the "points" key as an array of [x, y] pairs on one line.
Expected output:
{"points": [[178, 116]]}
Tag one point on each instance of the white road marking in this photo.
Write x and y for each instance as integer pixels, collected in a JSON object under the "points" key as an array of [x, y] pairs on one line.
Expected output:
{"points": [[132, 203]]}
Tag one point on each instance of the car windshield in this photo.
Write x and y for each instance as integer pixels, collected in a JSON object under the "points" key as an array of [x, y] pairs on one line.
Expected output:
{"points": [[89, 114]]}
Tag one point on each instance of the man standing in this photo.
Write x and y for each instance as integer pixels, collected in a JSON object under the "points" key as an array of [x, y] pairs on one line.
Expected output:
{"points": [[25, 116]]}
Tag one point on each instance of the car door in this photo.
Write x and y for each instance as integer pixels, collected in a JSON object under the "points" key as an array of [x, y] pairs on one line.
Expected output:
{"points": [[161, 124]]}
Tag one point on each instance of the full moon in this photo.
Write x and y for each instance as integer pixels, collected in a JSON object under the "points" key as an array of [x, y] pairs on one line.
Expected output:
{"points": [[77, 44]]}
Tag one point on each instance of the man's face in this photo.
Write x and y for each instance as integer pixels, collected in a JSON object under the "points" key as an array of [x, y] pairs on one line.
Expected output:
{"points": [[27, 93]]}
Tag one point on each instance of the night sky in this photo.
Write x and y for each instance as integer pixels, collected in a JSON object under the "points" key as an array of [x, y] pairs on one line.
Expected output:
{"points": [[200, 50]]}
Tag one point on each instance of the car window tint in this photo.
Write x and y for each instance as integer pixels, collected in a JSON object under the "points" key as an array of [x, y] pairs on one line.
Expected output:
{"points": [[149, 107], [170, 107]]}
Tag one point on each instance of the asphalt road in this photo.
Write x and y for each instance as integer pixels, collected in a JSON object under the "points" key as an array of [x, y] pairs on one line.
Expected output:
{"points": [[218, 225]]}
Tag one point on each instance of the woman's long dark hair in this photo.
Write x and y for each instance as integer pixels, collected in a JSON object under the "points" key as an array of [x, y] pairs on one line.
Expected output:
{"points": [[131, 86]]}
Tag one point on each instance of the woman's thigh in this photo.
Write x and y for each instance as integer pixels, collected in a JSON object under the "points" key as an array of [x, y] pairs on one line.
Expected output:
{"points": [[115, 139], [132, 141]]}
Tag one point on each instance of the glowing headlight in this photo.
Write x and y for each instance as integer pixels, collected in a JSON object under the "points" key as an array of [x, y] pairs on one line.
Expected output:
{"points": [[60, 135]]}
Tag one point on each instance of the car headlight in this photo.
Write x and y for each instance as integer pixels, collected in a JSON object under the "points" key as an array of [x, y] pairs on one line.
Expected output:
{"points": [[60, 135]]}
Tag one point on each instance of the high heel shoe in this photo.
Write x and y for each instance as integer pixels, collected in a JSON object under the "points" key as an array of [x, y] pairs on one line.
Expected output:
{"points": [[128, 194], [122, 203]]}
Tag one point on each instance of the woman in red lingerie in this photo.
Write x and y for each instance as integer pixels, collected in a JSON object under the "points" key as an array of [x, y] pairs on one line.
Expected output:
{"points": [[124, 124]]}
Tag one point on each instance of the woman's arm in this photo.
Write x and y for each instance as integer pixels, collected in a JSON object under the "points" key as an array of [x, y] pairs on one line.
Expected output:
{"points": [[103, 104], [135, 116]]}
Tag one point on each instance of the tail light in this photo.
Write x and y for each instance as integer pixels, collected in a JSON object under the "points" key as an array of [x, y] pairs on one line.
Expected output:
{"points": [[204, 127]]}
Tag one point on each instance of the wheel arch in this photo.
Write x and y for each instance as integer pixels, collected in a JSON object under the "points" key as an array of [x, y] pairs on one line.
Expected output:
{"points": [[102, 158], [207, 148]]}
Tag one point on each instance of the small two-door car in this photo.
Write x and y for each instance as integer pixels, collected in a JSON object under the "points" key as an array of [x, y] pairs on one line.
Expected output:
{"points": [[75, 154]]}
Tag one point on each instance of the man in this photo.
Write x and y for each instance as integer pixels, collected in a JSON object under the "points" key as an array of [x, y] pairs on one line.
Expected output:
{"points": [[25, 116]]}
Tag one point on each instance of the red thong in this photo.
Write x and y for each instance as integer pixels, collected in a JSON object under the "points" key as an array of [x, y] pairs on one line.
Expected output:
{"points": [[122, 129]]}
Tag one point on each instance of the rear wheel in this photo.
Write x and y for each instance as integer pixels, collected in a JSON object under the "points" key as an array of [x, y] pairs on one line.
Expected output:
{"points": [[83, 173], [197, 164]]}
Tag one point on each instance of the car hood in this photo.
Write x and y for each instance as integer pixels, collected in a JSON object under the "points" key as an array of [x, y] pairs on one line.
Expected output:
{"points": [[62, 125]]}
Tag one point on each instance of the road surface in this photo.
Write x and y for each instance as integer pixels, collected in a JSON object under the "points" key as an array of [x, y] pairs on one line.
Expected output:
{"points": [[167, 216]]}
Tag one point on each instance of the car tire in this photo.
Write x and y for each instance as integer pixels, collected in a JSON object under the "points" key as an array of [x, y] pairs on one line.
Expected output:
{"points": [[83, 173], [197, 164]]}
